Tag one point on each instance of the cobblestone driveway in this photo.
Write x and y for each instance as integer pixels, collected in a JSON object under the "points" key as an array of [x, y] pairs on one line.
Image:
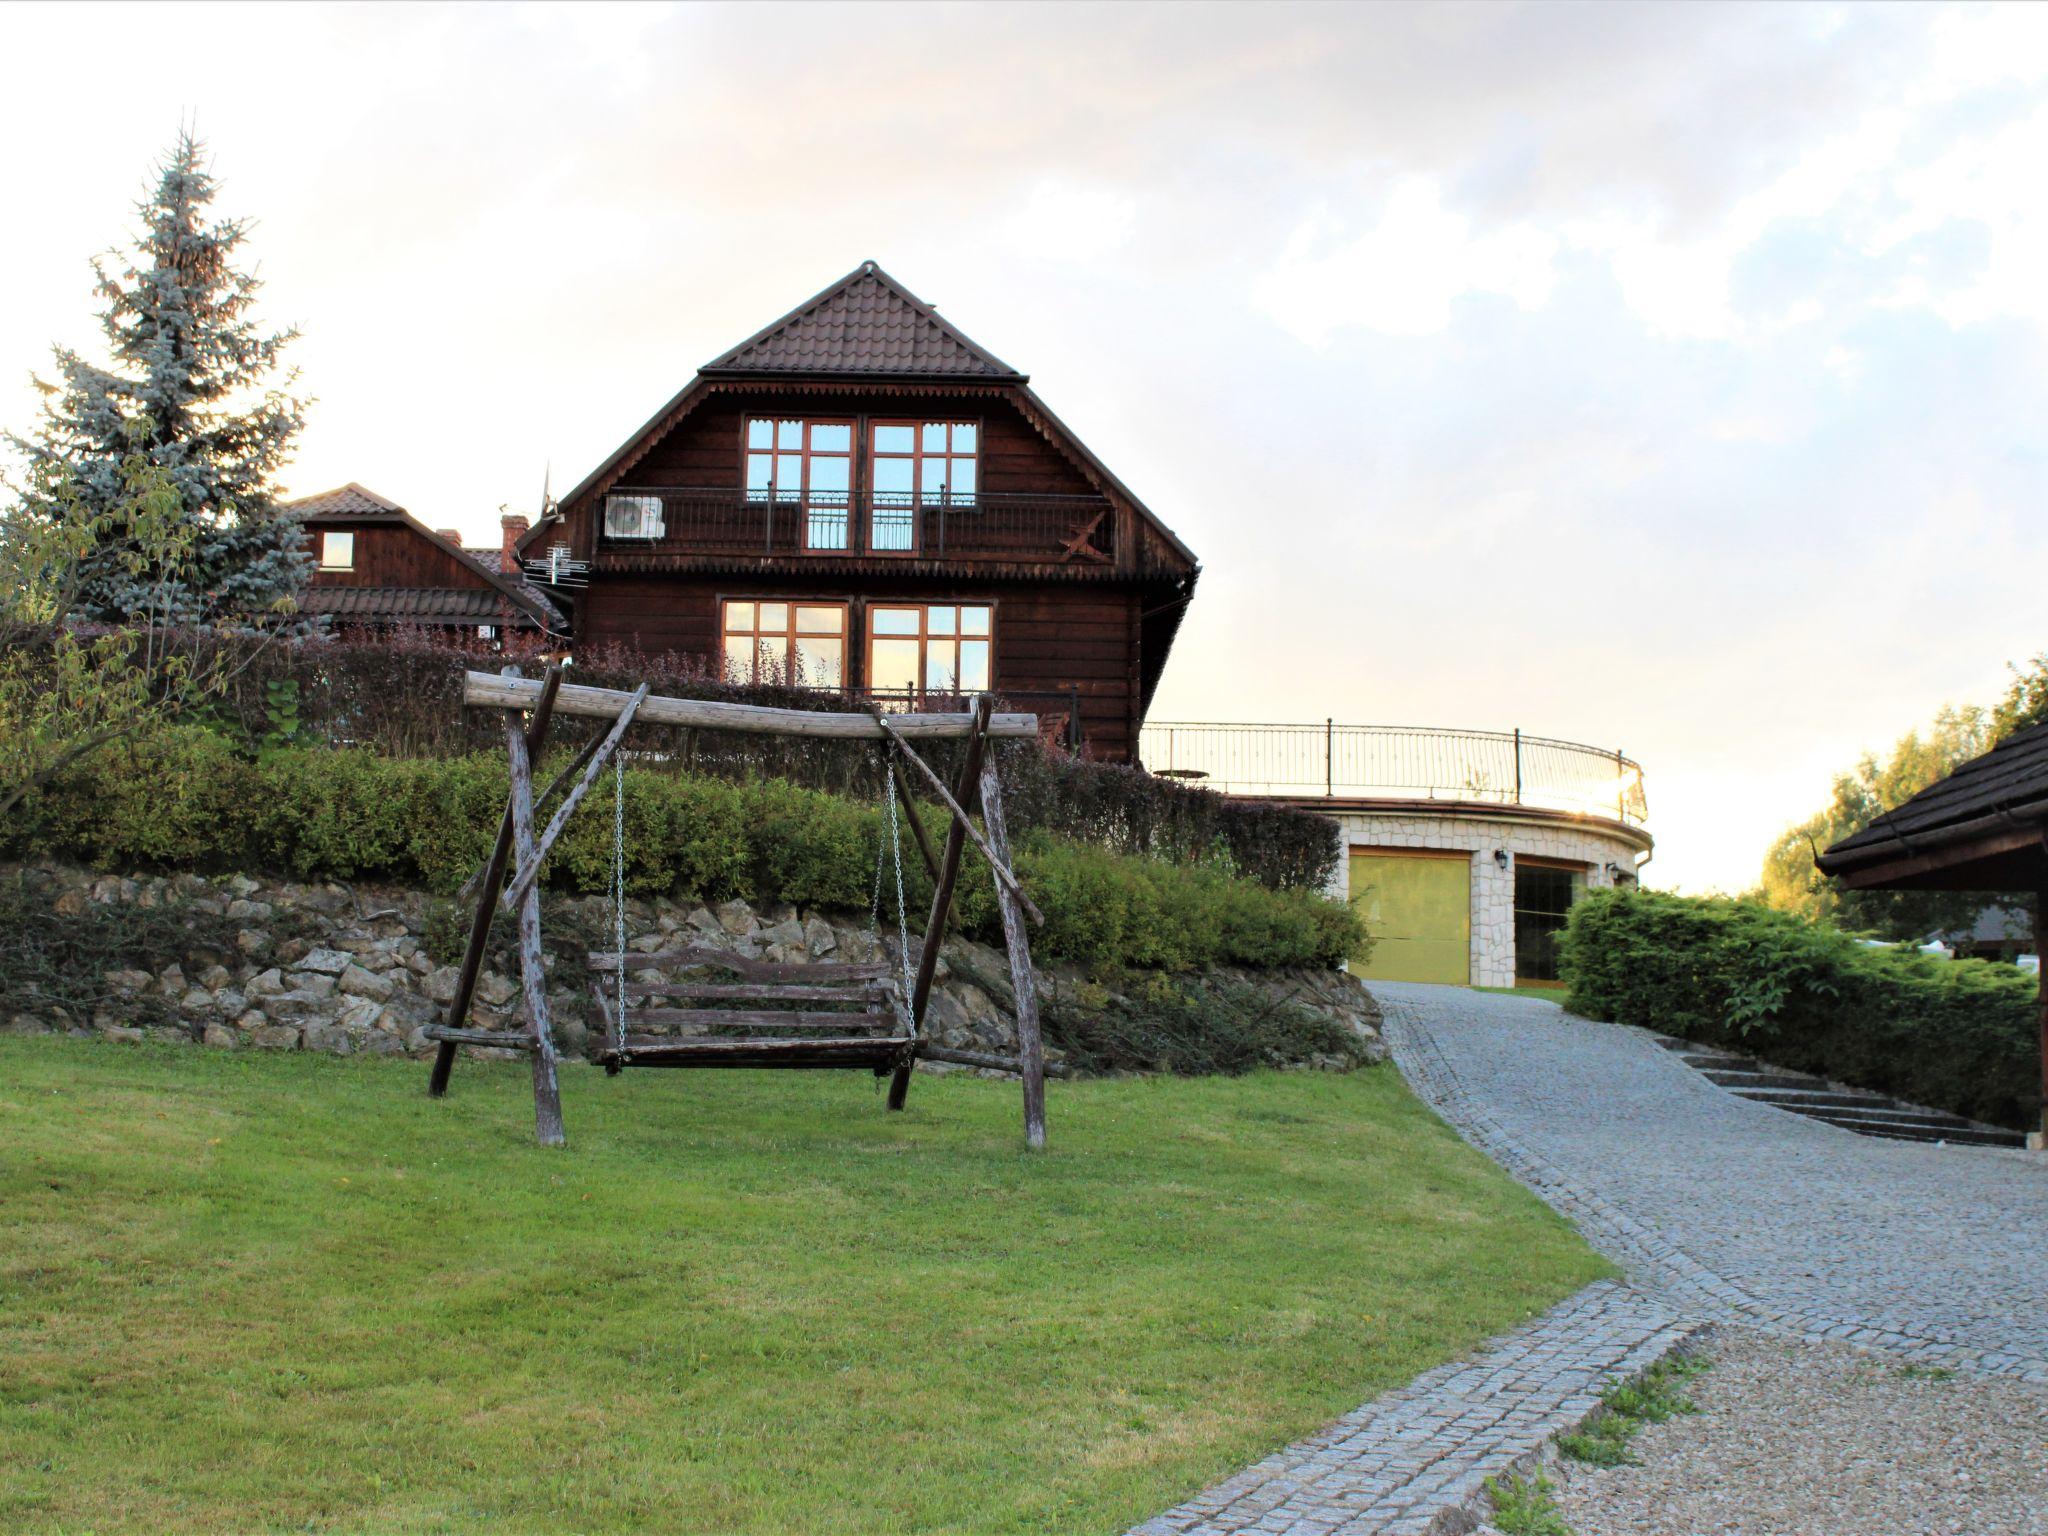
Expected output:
{"points": [[1728, 1209]]}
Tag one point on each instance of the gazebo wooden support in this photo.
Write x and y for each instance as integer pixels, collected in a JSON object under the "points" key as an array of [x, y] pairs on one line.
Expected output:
{"points": [[868, 1022]]}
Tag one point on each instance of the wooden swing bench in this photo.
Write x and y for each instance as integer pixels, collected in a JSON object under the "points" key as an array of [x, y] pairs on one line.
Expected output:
{"points": [[823, 1014]]}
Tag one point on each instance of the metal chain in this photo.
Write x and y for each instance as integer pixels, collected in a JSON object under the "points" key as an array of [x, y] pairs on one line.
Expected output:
{"points": [[619, 898]]}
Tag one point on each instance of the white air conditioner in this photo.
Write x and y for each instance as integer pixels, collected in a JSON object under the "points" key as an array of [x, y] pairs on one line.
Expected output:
{"points": [[632, 517]]}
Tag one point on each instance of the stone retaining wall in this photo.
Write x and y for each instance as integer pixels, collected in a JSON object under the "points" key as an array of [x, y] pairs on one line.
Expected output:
{"points": [[350, 969]]}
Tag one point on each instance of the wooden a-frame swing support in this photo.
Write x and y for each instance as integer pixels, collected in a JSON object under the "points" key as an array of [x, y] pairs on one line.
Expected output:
{"points": [[509, 879]]}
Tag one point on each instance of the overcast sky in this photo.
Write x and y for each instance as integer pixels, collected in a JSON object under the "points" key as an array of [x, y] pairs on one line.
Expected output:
{"points": [[1665, 377]]}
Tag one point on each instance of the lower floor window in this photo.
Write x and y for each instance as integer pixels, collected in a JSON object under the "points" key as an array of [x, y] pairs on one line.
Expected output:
{"points": [[798, 645], [919, 649], [1544, 894]]}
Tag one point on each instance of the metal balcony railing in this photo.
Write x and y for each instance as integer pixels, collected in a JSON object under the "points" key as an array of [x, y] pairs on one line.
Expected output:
{"points": [[1383, 762], [1075, 531]]}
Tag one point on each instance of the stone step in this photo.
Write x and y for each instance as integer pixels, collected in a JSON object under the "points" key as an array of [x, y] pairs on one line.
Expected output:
{"points": [[1757, 1078], [1969, 1136], [1814, 1098]]}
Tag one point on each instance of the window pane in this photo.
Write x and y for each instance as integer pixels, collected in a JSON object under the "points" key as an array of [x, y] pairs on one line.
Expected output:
{"points": [[826, 523], [895, 439], [831, 475], [789, 473], [940, 674], [774, 664], [963, 437], [895, 666], [820, 621], [893, 621], [774, 617], [892, 477], [738, 659], [739, 618], [338, 551], [760, 473], [831, 437], [939, 621], [935, 437], [820, 663], [963, 477], [973, 621], [760, 434], [789, 434], [933, 474], [974, 666]]}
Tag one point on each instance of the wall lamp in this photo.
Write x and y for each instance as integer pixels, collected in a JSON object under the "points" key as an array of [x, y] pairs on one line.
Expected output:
{"points": [[1500, 857]]}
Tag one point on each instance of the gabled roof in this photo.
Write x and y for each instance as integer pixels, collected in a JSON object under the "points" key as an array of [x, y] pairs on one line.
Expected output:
{"points": [[866, 325], [2004, 790], [359, 504], [406, 605]]}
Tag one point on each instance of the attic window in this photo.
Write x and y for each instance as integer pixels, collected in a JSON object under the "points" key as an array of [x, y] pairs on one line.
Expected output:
{"points": [[632, 517], [809, 463], [337, 551], [919, 464]]}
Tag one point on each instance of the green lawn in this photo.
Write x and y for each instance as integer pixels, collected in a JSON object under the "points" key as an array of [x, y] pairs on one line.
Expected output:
{"points": [[1546, 994], [254, 1292]]}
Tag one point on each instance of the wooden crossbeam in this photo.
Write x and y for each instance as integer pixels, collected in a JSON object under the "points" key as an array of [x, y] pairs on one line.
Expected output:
{"points": [[503, 1039], [489, 691], [742, 965], [759, 991], [515, 890], [469, 888], [760, 1018]]}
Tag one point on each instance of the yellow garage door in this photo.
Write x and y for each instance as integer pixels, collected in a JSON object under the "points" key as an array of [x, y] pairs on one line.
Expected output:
{"points": [[1418, 910]]}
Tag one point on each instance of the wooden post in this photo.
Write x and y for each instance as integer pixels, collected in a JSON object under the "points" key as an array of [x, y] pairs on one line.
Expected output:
{"points": [[526, 873], [547, 1093], [942, 897], [1030, 1045], [487, 893]]}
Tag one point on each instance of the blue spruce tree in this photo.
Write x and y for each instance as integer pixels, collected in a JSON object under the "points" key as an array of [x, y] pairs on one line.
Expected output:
{"points": [[192, 373]]}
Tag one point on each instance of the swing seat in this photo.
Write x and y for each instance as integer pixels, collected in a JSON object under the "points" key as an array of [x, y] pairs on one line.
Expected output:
{"points": [[836, 1015]]}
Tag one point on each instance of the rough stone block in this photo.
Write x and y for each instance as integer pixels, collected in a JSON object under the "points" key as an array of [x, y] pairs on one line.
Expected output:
{"points": [[328, 962], [358, 982]]}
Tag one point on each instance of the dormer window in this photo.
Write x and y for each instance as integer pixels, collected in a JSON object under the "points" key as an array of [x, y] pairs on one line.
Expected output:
{"points": [[632, 517], [337, 550], [810, 465]]}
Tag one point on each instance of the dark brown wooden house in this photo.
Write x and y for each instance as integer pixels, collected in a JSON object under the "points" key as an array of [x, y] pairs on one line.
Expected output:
{"points": [[861, 498], [1983, 828], [379, 568]]}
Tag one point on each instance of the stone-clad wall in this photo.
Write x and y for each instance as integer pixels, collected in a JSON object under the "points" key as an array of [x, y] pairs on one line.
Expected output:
{"points": [[347, 970], [1493, 885]]}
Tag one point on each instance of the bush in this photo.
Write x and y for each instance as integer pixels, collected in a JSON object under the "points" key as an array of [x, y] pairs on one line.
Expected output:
{"points": [[400, 694], [1960, 1035], [188, 800]]}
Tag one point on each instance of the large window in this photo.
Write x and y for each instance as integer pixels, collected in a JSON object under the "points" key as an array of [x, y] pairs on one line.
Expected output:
{"points": [[808, 464], [918, 464], [337, 550], [1544, 894], [801, 645], [919, 649]]}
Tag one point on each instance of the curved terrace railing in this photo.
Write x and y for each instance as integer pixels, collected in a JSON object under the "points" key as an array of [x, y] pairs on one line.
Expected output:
{"points": [[1394, 762]]}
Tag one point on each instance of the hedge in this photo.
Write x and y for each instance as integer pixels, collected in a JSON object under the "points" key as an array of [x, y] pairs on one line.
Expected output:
{"points": [[400, 694], [1960, 1035], [189, 799]]}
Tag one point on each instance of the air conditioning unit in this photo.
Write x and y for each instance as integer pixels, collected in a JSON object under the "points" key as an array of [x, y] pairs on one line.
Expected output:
{"points": [[632, 517]]}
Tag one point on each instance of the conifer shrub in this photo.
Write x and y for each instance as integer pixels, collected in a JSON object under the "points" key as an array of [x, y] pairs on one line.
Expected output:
{"points": [[1960, 1035]]}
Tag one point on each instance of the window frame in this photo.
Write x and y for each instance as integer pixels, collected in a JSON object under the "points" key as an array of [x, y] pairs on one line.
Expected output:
{"points": [[775, 494], [332, 533], [946, 501], [924, 637], [789, 634]]}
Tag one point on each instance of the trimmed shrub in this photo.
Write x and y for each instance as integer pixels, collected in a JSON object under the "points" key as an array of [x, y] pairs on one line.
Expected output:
{"points": [[188, 800], [1960, 1035]]}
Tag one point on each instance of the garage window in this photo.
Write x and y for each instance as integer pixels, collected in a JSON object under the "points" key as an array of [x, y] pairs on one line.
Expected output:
{"points": [[1544, 895]]}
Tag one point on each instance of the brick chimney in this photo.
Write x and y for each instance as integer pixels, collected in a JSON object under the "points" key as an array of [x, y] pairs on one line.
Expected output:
{"points": [[514, 527], [452, 535]]}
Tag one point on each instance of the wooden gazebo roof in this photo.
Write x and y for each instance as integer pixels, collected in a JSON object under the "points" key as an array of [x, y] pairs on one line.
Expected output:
{"points": [[1983, 828]]}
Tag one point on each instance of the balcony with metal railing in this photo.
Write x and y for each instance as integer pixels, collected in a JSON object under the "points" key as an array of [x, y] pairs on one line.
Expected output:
{"points": [[1077, 534], [1328, 761]]}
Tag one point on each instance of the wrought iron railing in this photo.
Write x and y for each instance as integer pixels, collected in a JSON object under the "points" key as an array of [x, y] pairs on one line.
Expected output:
{"points": [[1075, 531], [1368, 762]]}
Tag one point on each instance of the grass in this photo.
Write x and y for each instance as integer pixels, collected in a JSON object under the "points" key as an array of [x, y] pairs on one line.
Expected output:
{"points": [[1625, 1407], [1526, 1506], [255, 1292], [1548, 994]]}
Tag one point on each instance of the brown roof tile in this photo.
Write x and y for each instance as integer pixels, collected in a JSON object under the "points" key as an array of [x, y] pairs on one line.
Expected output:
{"points": [[413, 605], [2010, 779], [865, 324]]}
